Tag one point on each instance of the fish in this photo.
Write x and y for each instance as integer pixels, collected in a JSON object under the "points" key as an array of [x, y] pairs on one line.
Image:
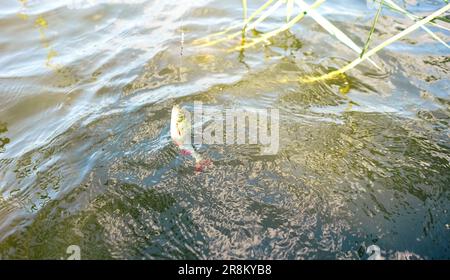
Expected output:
{"points": [[180, 132]]}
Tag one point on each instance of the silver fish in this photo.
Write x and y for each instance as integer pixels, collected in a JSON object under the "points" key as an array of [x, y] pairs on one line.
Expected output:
{"points": [[180, 132]]}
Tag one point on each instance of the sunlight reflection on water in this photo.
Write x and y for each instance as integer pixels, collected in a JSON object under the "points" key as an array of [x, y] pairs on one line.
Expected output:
{"points": [[86, 156]]}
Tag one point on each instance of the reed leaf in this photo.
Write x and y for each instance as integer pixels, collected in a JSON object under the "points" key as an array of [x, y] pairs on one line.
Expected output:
{"points": [[372, 29], [356, 62], [266, 14], [289, 9], [244, 6], [240, 25], [285, 27], [396, 7], [333, 30]]}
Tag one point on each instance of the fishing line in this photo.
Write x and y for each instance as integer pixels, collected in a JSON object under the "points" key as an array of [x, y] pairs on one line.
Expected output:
{"points": [[181, 48]]}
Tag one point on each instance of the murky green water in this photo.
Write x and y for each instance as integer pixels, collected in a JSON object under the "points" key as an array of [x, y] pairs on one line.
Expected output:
{"points": [[86, 157]]}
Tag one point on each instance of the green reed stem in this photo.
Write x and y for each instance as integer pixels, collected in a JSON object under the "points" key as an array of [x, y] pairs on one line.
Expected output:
{"points": [[369, 38]]}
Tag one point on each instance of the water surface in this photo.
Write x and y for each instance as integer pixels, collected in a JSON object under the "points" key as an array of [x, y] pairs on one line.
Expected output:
{"points": [[86, 157]]}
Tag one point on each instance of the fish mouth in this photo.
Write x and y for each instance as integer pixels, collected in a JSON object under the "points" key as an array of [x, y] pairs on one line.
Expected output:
{"points": [[176, 106]]}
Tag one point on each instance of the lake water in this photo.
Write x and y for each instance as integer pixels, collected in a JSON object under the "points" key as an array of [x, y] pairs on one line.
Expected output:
{"points": [[86, 158]]}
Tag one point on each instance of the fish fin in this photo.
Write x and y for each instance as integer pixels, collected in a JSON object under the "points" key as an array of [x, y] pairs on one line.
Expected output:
{"points": [[185, 152], [202, 165]]}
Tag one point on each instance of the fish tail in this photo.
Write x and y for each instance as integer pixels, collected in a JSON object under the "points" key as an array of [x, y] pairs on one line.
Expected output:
{"points": [[202, 164]]}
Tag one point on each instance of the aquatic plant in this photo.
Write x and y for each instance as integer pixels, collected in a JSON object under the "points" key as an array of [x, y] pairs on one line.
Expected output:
{"points": [[372, 29], [263, 12], [379, 47], [391, 5], [41, 25]]}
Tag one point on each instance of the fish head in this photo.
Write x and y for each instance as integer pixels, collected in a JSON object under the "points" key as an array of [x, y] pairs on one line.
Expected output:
{"points": [[179, 125], [178, 114]]}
